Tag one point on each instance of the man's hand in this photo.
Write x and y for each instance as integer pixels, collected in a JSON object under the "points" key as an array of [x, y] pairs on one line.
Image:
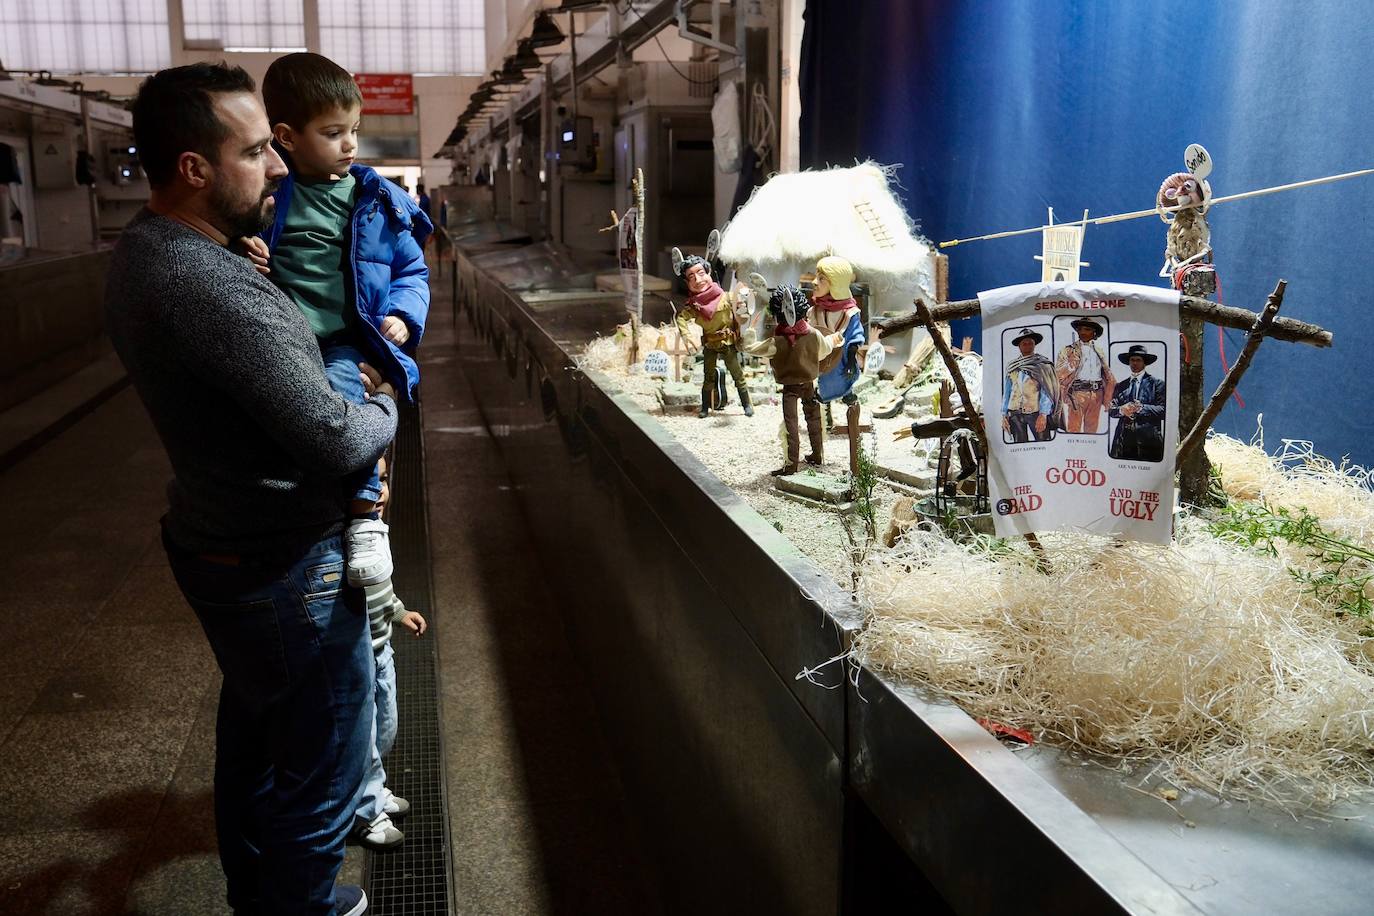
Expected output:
{"points": [[373, 383], [257, 252], [1040, 423], [395, 330], [904, 433], [1006, 424]]}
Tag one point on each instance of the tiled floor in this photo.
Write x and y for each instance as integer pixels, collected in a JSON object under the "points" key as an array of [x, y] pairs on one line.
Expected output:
{"points": [[108, 690]]}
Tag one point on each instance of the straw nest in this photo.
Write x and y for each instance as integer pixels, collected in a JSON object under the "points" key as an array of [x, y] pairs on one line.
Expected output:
{"points": [[1207, 657]]}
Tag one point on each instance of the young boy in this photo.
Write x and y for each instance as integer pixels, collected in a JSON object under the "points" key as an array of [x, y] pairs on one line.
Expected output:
{"points": [[347, 248]]}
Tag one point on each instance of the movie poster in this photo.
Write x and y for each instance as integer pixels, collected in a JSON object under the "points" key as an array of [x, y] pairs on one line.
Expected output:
{"points": [[1080, 393], [631, 273]]}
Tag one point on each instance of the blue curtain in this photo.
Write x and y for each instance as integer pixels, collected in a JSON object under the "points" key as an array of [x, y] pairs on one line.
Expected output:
{"points": [[996, 110]]}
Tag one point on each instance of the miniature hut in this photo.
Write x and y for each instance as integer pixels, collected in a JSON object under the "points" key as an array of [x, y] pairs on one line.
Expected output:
{"points": [[797, 218]]}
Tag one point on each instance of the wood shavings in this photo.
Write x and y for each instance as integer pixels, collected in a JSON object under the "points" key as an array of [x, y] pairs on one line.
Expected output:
{"points": [[1204, 658], [1202, 655]]}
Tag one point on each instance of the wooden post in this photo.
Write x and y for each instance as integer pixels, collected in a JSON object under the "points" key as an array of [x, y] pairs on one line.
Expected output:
{"points": [[1194, 470]]}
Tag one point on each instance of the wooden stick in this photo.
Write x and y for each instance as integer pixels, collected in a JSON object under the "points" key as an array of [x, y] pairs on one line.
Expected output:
{"points": [[1224, 315], [1042, 560], [942, 347], [1258, 332]]}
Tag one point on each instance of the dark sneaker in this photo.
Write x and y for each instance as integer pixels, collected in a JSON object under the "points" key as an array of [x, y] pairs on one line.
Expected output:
{"points": [[380, 835], [349, 900]]}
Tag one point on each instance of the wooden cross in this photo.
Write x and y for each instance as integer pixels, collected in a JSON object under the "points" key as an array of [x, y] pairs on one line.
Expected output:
{"points": [[1192, 486], [678, 350]]}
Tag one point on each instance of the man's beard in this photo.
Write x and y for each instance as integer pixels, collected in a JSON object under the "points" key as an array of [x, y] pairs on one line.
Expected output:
{"points": [[238, 220]]}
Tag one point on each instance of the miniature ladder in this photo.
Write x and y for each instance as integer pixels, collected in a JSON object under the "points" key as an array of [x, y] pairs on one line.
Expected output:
{"points": [[881, 237]]}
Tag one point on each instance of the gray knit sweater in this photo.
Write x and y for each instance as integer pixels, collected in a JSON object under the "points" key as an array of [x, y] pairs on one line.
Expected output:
{"points": [[231, 375]]}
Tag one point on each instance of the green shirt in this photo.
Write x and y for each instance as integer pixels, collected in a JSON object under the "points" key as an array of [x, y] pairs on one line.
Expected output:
{"points": [[310, 262]]}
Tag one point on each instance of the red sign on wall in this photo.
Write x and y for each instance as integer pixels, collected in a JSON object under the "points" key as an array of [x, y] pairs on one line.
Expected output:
{"points": [[386, 93]]}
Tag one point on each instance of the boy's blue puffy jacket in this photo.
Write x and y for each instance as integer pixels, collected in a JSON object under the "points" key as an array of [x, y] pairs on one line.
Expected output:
{"points": [[389, 272]]}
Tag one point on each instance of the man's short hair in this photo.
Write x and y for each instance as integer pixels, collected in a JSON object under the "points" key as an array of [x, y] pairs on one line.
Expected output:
{"points": [[302, 86], [174, 113]]}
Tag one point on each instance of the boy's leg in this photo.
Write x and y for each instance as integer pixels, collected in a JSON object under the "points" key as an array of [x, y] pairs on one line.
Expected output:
{"points": [[369, 553], [372, 799], [341, 368], [372, 822]]}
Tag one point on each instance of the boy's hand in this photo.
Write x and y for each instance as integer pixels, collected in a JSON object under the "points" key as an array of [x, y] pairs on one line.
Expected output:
{"points": [[395, 330], [413, 622], [257, 252]]}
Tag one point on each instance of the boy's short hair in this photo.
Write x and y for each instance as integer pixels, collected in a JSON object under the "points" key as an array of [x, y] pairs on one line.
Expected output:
{"points": [[174, 113], [302, 86]]}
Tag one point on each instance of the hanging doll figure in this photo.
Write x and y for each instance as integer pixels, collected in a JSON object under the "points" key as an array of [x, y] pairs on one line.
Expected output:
{"points": [[1189, 241], [795, 350], [836, 313], [714, 310]]}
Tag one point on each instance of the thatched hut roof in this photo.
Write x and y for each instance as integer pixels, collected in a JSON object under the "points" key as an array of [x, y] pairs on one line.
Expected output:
{"points": [[796, 218]]}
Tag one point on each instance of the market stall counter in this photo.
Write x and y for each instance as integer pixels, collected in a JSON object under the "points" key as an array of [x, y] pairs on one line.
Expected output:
{"points": [[766, 780]]}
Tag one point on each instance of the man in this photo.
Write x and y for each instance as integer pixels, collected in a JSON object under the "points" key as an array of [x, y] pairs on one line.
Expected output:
{"points": [[1029, 392], [230, 373], [1084, 377], [1138, 406]]}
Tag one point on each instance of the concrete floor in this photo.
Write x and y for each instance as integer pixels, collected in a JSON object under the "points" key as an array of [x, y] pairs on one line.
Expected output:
{"points": [[108, 689]]}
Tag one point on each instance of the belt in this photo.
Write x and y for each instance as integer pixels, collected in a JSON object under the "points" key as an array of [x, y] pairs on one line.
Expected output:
{"points": [[221, 559], [1086, 386]]}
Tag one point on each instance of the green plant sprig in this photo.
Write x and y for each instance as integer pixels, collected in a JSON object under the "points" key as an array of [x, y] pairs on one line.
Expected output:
{"points": [[1346, 567]]}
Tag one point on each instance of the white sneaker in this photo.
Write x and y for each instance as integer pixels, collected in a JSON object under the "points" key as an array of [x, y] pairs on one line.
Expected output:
{"points": [[369, 552], [395, 805], [380, 834]]}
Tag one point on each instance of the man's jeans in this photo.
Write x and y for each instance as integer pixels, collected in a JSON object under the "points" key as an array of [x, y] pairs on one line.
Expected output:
{"points": [[341, 368], [295, 716], [375, 794]]}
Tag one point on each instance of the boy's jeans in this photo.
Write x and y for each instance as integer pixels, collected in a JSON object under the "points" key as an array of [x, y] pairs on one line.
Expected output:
{"points": [[341, 368], [295, 714], [374, 793]]}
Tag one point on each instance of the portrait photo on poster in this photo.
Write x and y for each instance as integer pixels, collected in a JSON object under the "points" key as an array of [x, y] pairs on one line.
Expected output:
{"points": [[1137, 405], [1031, 408], [1084, 372]]}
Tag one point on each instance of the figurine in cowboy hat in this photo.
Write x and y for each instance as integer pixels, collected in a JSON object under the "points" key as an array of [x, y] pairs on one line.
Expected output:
{"points": [[714, 310], [1138, 407], [1030, 392], [1085, 376]]}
